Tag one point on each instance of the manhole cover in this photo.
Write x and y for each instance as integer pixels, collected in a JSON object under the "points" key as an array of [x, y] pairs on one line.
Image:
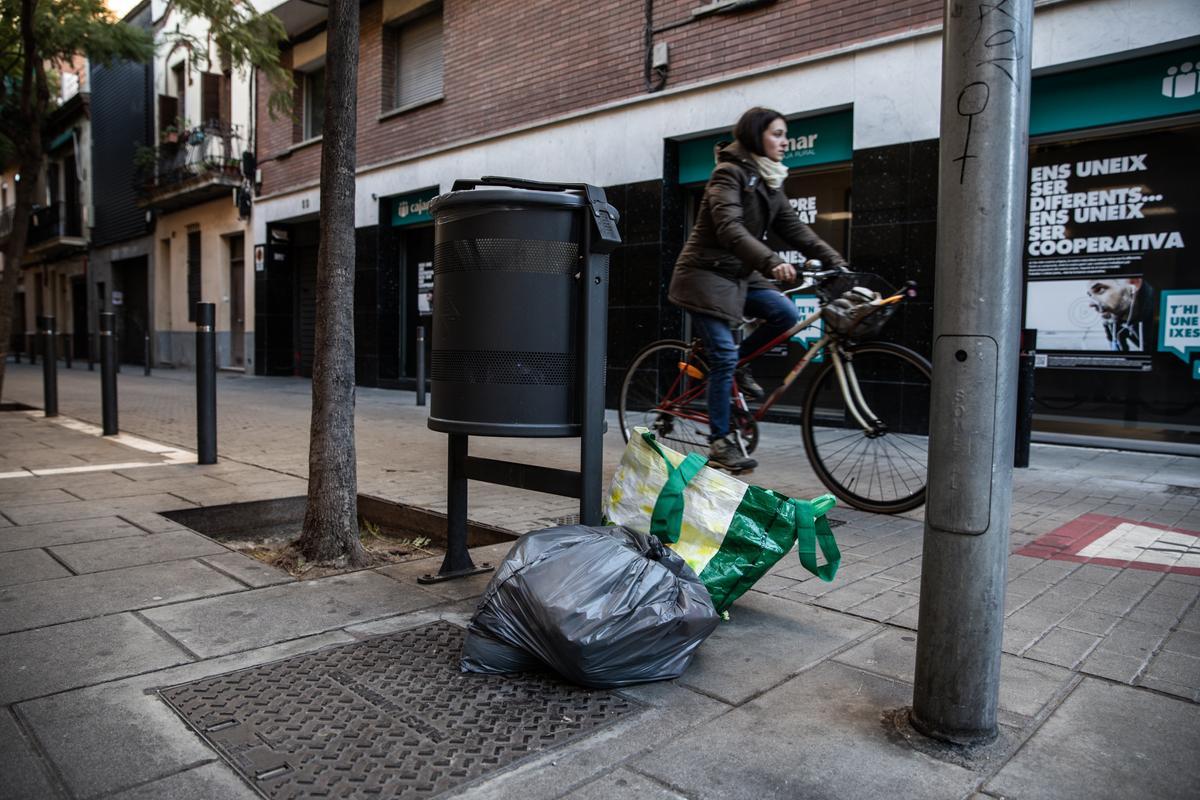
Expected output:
{"points": [[387, 717]]}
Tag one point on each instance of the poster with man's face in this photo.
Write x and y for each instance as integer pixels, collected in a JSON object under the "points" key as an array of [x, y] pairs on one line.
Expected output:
{"points": [[1101, 314], [1108, 232]]}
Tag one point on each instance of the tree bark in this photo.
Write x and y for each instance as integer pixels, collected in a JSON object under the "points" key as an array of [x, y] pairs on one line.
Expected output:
{"points": [[331, 518], [34, 99]]}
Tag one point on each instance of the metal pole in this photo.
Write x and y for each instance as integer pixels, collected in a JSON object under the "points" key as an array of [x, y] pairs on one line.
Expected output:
{"points": [[108, 373], [146, 357], [420, 365], [49, 367], [206, 384], [33, 347], [67, 348], [977, 309], [91, 351]]}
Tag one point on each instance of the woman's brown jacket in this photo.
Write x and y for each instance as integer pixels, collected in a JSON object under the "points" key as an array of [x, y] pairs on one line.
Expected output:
{"points": [[725, 254]]}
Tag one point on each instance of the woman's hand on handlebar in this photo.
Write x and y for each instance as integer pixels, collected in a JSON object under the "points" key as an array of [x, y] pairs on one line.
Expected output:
{"points": [[784, 272]]}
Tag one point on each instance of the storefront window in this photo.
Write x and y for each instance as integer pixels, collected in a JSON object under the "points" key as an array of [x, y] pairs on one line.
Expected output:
{"points": [[1112, 284]]}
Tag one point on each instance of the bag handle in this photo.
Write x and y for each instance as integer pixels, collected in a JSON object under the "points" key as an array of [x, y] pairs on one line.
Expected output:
{"points": [[812, 529], [667, 517]]}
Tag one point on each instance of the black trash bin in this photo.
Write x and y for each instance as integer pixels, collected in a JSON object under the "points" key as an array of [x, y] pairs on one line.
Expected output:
{"points": [[508, 260]]}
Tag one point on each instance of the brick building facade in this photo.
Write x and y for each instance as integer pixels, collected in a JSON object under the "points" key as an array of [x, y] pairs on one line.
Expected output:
{"points": [[575, 91]]}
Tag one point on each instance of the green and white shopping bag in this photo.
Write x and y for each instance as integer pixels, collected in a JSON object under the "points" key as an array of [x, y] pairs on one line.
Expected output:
{"points": [[729, 532]]}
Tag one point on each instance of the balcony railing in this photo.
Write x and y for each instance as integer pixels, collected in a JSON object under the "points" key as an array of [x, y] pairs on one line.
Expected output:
{"points": [[199, 164], [61, 220]]}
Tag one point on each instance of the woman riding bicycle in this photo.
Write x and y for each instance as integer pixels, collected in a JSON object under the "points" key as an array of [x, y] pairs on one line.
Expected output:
{"points": [[723, 272]]}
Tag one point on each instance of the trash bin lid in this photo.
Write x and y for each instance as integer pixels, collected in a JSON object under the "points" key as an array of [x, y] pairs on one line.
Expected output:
{"points": [[506, 196]]}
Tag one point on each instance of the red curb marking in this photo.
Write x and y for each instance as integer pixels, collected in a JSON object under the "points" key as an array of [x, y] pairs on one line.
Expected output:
{"points": [[1065, 542]]}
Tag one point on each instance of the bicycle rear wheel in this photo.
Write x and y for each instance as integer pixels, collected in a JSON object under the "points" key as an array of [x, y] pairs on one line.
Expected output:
{"points": [[665, 389], [882, 468]]}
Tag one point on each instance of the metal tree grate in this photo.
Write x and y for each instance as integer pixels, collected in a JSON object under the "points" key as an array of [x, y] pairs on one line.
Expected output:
{"points": [[387, 717]]}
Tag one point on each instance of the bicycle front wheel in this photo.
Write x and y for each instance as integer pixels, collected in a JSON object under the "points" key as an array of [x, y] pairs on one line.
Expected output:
{"points": [[880, 466], [665, 389]]}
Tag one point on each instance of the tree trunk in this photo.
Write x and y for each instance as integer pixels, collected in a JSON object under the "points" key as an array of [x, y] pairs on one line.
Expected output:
{"points": [[34, 99], [331, 518]]}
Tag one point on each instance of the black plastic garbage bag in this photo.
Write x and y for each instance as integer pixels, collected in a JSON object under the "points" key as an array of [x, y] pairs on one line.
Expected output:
{"points": [[602, 607]]}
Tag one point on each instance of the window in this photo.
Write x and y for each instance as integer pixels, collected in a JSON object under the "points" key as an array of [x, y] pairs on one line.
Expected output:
{"points": [[193, 273], [415, 61], [314, 102]]}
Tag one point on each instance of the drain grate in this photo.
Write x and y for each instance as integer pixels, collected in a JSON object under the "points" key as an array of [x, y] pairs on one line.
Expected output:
{"points": [[390, 716]]}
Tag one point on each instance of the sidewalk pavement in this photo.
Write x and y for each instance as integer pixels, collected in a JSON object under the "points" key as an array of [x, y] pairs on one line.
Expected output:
{"points": [[102, 599]]}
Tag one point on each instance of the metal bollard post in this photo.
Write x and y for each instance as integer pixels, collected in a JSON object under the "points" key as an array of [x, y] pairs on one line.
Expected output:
{"points": [[1025, 377], [67, 349], [421, 365], [146, 357], [33, 347], [206, 383], [91, 348], [108, 373], [49, 367], [116, 350]]}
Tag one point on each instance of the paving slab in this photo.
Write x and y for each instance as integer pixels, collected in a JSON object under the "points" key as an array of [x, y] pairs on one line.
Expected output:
{"points": [[1108, 741], [247, 569], [793, 742], [670, 711], [83, 653], [87, 530], [1025, 686], [149, 548], [23, 776], [120, 735], [34, 605], [27, 566], [44, 497], [213, 781], [766, 641], [623, 784], [259, 617], [86, 509]]}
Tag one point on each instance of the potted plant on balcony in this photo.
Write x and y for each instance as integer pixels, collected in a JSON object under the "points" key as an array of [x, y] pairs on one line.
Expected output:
{"points": [[145, 163], [170, 134]]}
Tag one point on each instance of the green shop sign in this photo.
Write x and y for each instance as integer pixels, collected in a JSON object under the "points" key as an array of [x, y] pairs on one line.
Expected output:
{"points": [[1141, 88], [412, 208], [811, 140]]}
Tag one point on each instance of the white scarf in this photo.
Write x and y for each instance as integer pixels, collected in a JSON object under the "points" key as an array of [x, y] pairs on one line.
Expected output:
{"points": [[773, 172]]}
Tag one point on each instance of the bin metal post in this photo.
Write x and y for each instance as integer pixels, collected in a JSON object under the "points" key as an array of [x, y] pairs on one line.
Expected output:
{"points": [[981, 207], [108, 373], [206, 384], [420, 365], [49, 367], [1025, 379]]}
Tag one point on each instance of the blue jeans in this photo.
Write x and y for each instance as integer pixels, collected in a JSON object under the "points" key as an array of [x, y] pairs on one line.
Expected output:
{"points": [[722, 353]]}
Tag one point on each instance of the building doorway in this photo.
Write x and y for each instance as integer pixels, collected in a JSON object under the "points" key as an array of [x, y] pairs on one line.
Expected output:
{"points": [[130, 304], [237, 300]]}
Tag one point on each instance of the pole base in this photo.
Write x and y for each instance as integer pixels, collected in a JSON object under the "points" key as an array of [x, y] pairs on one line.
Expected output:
{"points": [[958, 738], [455, 574]]}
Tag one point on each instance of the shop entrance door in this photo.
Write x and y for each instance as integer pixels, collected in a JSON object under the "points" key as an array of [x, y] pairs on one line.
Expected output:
{"points": [[129, 303], [416, 302], [237, 300]]}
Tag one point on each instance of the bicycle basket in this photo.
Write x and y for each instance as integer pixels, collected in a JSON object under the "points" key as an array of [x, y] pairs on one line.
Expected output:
{"points": [[847, 308]]}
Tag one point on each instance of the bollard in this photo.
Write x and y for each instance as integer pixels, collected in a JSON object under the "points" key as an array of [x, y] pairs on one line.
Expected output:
{"points": [[116, 351], [67, 349], [146, 357], [1025, 378], [49, 367], [420, 365], [33, 347], [206, 384], [91, 348], [108, 373]]}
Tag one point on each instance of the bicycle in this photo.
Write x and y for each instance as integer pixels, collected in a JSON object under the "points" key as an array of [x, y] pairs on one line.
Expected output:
{"points": [[871, 464]]}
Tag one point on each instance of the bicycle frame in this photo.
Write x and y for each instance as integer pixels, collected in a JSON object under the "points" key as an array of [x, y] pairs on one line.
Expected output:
{"points": [[847, 381]]}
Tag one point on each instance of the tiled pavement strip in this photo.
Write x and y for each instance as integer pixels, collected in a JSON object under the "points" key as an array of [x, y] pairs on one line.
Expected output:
{"points": [[101, 599]]}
